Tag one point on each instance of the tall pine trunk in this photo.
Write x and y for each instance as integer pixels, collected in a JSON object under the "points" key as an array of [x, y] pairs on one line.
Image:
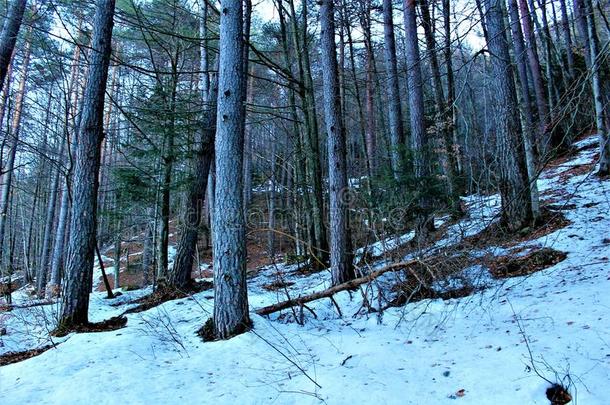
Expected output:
{"points": [[419, 138], [180, 274], [528, 118], [57, 257], [340, 237], [230, 291], [14, 133], [444, 118], [10, 30], [81, 244], [514, 187], [596, 84], [538, 82], [394, 107]]}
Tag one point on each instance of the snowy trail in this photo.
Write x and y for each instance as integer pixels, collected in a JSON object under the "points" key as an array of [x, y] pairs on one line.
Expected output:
{"points": [[423, 353]]}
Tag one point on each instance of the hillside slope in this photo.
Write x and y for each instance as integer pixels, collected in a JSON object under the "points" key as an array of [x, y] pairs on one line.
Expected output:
{"points": [[499, 345]]}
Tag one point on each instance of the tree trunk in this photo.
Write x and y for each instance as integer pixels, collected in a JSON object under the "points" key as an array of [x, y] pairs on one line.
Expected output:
{"points": [[545, 36], [301, 205], [10, 30], [567, 36], [231, 295], [528, 119], [442, 109], [340, 237], [394, 108], [81, 244], [272, 198], [147, 253], [451, 98], [596, 84], [514, 187], [43, 265], [15, 129], [168, 164], [185, 252], [369, 104], [100, 262], [419, 138], [310, 137], [117, 256], [57, 257], [361, 115], [248, 152], [536, 71]]}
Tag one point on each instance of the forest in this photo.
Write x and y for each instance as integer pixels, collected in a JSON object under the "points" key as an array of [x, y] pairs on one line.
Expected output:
{"points": [[295, 201]]}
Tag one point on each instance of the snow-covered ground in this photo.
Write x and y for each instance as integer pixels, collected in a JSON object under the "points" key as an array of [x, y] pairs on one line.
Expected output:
{"points": [[495, 347]]}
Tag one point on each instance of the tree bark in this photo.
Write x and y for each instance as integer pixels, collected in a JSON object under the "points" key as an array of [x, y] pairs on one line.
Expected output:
{"points": [[514, 187], [596, 84], [81, 244], [419, 138], [8, 38], [43, 265], [451, 98], [311, 136], [166, 183], [369, 104], [14, 133], [528, 119], [567, 36], [538, 83], [340, 237], [147, 253], [443, 121], [394, 108], [231, 295], [185, 252], [117, 256], [57, 257]]}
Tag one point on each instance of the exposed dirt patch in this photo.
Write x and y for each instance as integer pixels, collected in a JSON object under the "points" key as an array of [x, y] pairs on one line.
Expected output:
{"points": [[592, 145], [577, 170], [164, 294], [114, 323], [496, 235], [558, 395], [561, 207], [555, 196], [129, 280], [511, 266], [413, 291], [16, 357], [277, 285]]}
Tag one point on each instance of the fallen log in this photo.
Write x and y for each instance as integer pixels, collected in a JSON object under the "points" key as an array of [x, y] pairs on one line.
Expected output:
{"points": [[329, 292], [9, 307]]}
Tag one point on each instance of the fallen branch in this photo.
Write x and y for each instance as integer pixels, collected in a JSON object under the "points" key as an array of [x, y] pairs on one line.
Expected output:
{"points": [[350, 285], [9, 307]]}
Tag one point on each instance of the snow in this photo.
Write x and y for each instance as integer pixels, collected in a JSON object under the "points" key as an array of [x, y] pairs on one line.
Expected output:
{"points": [[380, 248], [492, 344]]}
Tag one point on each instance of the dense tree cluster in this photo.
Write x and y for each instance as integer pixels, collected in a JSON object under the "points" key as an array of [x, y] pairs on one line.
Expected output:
{"points": [[192, 129]]}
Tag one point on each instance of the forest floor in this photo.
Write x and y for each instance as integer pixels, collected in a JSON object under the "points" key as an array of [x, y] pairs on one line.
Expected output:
{"points": [[515, 315]]}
